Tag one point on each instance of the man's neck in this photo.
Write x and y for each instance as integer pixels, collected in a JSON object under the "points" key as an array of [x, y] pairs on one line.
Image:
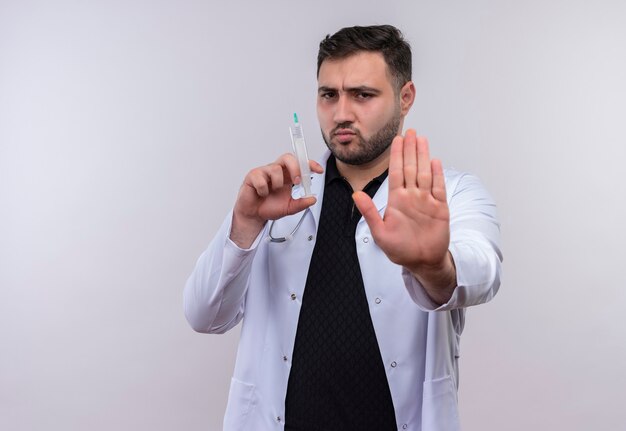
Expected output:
{"points": [[360, 175]]}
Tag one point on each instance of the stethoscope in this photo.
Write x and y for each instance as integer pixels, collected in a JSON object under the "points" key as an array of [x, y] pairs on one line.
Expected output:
{"points": [[272, 238]]}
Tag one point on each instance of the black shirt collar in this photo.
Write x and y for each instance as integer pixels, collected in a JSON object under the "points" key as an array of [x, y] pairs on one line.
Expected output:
{"points": [[332, 174]]}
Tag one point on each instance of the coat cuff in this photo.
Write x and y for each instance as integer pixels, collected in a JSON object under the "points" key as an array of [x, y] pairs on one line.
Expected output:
{"points": [[420, 296], [234, 248]]}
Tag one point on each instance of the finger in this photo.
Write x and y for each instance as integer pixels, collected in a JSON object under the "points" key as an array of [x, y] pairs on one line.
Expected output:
{"points": [[259, 180], [410, 159], [316, 167], [424, 174], [439, 181], [367, 208], [276, 176], [396, 170], [290, 165]]}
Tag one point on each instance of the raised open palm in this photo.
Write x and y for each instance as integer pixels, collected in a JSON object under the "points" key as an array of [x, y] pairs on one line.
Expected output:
{"points": [[415, 230]]}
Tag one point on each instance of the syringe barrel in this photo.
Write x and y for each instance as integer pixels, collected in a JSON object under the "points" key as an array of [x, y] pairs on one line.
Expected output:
{"points": [[299, 148]]}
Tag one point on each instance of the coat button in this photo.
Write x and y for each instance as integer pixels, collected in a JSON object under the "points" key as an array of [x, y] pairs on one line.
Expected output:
{"points": [[394, 364]]}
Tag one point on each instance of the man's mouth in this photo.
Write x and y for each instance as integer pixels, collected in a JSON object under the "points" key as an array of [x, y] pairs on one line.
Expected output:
{"points": [[344, 135]]}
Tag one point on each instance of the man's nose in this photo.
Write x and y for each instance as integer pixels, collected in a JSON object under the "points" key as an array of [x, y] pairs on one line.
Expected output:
{"points": [[343, 111]]}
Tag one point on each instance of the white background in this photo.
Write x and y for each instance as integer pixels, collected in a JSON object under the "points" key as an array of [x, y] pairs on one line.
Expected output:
{"points": [[126, 128]]}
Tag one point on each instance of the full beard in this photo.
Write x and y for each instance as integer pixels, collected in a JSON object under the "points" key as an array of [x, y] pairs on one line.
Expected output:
{"points": [[367, 149]]}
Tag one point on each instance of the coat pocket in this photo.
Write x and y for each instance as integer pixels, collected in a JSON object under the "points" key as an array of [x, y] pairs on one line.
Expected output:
{"points": [[241, 403], [440, 407]]}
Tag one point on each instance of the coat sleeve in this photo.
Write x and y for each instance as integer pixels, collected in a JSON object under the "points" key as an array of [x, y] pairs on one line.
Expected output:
{"points": [[474, 245], [214, 296]]}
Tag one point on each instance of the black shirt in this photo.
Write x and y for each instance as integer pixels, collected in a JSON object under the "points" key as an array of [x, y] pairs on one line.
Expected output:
{"points": [[337, 379]]}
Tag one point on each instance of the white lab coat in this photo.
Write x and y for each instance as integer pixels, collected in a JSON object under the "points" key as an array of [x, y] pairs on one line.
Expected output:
{"points": [[419, 342]]}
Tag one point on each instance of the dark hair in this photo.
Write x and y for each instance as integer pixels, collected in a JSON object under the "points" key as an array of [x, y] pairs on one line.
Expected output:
{"points": [[385, 39]]}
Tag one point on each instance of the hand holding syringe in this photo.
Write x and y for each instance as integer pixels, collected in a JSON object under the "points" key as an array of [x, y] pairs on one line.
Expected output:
{"points": [[266, 192], [299, 147]]}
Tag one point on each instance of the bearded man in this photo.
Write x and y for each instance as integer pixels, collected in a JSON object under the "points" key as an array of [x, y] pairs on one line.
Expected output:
{"points": [[353, 302]]}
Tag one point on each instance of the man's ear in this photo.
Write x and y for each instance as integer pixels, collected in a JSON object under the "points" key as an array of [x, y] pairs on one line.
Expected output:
{"points": [[407, 97]]}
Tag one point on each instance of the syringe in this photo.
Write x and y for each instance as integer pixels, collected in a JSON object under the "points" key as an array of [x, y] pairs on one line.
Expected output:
{"points": [[299, 147]]}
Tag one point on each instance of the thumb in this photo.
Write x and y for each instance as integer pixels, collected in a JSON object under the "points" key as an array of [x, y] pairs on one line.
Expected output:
{"points": [[297, 205], [366, 207]]}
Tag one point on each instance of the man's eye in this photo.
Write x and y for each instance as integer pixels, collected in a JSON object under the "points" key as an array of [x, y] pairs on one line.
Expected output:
{"points": [[327, 95], [364, 96]]}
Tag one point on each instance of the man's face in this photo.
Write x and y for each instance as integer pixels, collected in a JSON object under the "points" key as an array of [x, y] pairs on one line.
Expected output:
{"points": [[358, 110]]}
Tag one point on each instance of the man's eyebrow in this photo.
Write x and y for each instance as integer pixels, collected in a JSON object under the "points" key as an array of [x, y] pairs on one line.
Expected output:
{"points": [[363, 89], [324, 89], [359, 89]]}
